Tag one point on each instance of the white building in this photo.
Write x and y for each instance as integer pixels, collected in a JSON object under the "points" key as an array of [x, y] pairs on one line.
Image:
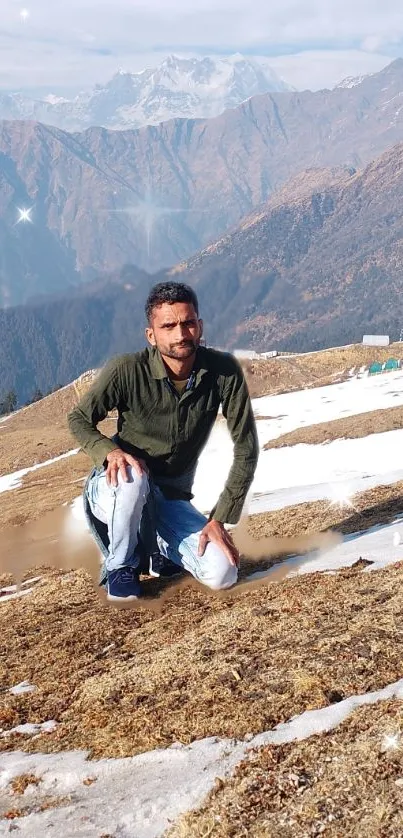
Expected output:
{"points": [[376, 340]]}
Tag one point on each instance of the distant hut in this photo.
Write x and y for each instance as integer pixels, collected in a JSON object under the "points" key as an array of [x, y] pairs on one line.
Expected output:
{"points": [[375, 368], [376, 340]]}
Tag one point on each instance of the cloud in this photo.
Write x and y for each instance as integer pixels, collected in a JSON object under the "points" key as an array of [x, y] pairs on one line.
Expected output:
{"points": [[83, 41], [318, 69]]}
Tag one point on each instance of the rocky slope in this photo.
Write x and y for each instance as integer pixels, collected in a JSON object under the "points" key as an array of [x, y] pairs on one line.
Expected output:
{"points": [[320, 264], [178, 87], [152, 197]]}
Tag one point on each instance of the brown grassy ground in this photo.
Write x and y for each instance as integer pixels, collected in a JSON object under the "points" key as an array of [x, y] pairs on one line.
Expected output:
{"points": [[204, 666], [51, 486], [353, 427], [292, 372], [43, 490], [39, 432], [119, 682], [374, 506], [343, 783]]}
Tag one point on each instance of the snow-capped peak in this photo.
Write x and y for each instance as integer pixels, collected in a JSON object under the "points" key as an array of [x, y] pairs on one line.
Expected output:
{"points": [[54, 100], [351, 81], [177, 87]]}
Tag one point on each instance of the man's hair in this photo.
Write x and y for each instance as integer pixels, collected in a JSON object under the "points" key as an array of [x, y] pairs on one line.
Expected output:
{"points": [[170, 292]]}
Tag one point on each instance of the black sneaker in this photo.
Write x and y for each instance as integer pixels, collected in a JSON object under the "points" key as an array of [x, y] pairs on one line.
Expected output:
{"points": [[123, 584], [163, 568]]}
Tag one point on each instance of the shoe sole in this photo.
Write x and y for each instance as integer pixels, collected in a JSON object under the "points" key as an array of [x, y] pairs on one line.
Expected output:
{"points": [[112, 598], [163, 575]]}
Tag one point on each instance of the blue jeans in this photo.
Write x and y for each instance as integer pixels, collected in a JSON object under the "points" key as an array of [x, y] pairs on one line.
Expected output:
{"points": [[178, 526]]}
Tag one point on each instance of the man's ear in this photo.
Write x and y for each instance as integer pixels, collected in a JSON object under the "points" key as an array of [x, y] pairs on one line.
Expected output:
{"points": [[201, 327], [150, 336]]}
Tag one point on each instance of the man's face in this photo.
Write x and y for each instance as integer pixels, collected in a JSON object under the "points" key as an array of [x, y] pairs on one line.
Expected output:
{"points": [[175, 330]]}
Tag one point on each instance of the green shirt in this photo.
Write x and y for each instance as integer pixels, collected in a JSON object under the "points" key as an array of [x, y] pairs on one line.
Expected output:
{"points": [[169, 430]]}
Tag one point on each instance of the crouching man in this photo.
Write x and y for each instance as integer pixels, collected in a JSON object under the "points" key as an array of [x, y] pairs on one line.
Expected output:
{"points": [[167, 398]]}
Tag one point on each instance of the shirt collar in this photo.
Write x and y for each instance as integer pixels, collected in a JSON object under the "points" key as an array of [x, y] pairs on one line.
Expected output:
{"points": [[157, 365]]}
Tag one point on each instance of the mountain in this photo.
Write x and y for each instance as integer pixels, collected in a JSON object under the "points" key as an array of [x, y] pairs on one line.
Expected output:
{"points": [[152, 197], [44, 343], [352, 81], [178, 87], [319, 264]]}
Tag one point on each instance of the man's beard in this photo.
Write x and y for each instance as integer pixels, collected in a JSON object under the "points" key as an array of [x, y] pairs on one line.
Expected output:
{"points": [[177, 350]]}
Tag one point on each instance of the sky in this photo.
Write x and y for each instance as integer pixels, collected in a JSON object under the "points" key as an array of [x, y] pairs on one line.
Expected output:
{"points": [[70, 45]]}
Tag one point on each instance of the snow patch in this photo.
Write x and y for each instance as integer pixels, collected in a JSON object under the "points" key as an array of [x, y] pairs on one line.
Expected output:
{"points": [[22, 688], [15, 595], [313, 722], [380, 545], [141, 796], [14, 480], [29, 729], [301, 473]]}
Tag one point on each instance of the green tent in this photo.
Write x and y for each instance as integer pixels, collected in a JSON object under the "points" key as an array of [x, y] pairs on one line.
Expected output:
{"points": [[375, 368], [391, 364]]}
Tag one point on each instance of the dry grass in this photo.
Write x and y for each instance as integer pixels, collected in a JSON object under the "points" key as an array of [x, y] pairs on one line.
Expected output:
{"points": [[294, 372], [44, 490], [353, 427], [374, 506], [41, 804], [119, 682], [203, 667], [20, 783], [342, 783], [39, 432]]}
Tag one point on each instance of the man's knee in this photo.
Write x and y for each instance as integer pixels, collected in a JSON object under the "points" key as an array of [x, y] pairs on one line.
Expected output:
{"points": [[218, 573], [135, 482], [131, 494]]}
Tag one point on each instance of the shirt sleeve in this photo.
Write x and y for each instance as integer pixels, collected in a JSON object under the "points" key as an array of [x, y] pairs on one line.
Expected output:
{"points": [[237, 409], [101, 398]]}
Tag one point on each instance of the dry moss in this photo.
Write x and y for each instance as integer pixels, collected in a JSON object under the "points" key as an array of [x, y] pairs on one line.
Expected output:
{"points": [[318, 369], [204, 667], [341, 783], [20, 783], [353, 427]]}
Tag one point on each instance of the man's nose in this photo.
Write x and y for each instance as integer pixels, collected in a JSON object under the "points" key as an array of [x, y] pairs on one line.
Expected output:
{"points": [[182, 331]]}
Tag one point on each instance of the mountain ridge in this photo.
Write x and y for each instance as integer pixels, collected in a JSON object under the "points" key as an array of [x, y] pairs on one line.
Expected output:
{"points": [[315, 265], [319, 264], [176, 88], [154, 196]]}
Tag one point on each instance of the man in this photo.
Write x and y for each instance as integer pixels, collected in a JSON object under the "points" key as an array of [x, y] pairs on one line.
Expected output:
{"points": [[167, 398]]}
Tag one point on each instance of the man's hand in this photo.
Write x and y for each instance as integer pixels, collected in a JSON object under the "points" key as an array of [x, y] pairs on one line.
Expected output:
{"points": [[215, 532], [118, 462]]}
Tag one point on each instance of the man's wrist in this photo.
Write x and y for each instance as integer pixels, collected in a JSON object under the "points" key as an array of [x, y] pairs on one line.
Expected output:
{"points": [[221, 524]]}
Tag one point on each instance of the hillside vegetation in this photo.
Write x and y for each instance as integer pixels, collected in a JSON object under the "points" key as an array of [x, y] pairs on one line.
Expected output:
{"points": [[320, 264], [89, 189]]}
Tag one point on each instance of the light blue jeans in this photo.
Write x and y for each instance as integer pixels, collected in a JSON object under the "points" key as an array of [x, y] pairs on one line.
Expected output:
{"points": [[178, 526]]}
